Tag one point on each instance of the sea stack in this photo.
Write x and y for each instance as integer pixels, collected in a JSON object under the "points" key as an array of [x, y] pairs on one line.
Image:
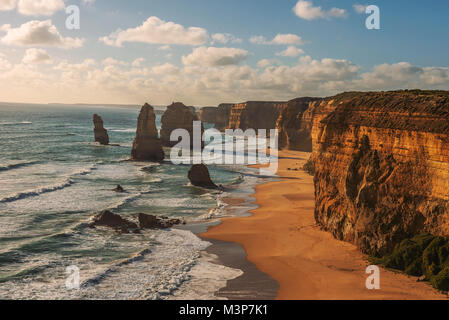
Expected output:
{"points": [[101, 134], [178, 116], [199, 176], [147, 145]]}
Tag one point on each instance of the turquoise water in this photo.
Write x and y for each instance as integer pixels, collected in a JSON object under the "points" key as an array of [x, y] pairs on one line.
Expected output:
{"points": [[54, 179]]}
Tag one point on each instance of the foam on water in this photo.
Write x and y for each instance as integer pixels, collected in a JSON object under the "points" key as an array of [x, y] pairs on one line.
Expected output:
{"points": [[36, 192]]}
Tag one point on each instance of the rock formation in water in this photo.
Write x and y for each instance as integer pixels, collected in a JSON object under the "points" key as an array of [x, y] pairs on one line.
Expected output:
{"points": [[222, 116], [152, 222], [147, 145], [112, 220], [199, 176], [178, 116], [208, 114], [295, 125], [381, 165], [255, 115], [101, 134]]}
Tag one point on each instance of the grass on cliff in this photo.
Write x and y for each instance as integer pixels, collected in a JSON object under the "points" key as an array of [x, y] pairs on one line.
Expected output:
{"points": [[423, 255]]}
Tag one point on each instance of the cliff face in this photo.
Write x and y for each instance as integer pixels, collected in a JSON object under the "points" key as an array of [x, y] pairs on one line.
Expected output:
{"points": [[222, 116], [147, 145], [381, 166], [255, 115], [100, 133], [208, 114], [295, 125], [177, 116]]}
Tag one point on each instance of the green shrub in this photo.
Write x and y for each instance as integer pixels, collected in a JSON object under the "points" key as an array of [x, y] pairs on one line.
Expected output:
{"points": [[423, 254]]}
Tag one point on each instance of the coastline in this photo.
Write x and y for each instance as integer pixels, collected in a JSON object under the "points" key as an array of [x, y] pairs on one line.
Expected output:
{"points": [[282, 240]]}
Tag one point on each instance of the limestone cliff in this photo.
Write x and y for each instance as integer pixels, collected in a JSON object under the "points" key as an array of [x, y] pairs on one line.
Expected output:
{"points": [[295, 125], [177, 116], [208, 114], [382, 166], [222, 116], [147, 145], [100, 133], [255, 115]]}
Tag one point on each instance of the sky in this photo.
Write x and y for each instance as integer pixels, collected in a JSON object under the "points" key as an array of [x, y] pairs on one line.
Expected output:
{"points": [[206, 52]]}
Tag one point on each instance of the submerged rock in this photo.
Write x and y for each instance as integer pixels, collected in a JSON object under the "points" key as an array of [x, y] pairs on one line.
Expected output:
{"points": [[101, 134], [112, 220], [147, 145], [119, 189], [152, 222], [199, 176]]}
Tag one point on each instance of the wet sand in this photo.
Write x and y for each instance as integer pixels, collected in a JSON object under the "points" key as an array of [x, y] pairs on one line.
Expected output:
{"points": [[282, 240]]}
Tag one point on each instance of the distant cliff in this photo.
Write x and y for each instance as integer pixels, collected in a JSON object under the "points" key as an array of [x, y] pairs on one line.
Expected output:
{"points": [[208, 114], [382, 166], [255, 115], [222, 116], [295, 124]]}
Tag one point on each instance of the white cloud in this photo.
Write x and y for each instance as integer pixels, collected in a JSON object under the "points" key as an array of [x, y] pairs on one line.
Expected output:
{"points": [[38, 33], [225, 38], [279, 39], [264, 63], [7, 5], [88, 2], [166, 47], [157, 31], [36, 56], [4, 63], [306, 10], [360, 8], [165, 69], [113, 62], [212, 56], [39, 7], [291, 51], [138, 62]]}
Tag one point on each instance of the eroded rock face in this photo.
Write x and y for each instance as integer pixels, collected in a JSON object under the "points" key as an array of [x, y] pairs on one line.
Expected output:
{"points": [[147, 145], [208, 114], [178, 116], [152, 222], [222, 116], [199, 176], [255, 115], [100, 133], [295, 125], [112, 220], [382, 166]]}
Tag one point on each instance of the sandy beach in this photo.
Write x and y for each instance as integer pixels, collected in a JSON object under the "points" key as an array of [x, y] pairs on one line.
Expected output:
{"points": [[282, 240]]}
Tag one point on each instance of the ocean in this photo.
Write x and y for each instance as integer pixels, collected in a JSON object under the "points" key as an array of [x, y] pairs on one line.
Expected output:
{"points": [[54, 180]]}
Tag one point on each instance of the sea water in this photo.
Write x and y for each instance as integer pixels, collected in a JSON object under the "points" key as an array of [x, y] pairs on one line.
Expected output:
{"points": [[54, 180]]}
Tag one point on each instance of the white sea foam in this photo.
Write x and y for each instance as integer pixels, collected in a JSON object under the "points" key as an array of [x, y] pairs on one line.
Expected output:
{"points": [[38, 191], [16, 165], [15, 123]]}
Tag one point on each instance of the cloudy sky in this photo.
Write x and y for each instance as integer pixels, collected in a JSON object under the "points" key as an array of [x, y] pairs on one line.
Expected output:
{"points": [[204, 52]]}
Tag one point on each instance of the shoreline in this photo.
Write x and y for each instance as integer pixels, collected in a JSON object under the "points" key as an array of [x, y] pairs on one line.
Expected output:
{"points": [[282, 240]]}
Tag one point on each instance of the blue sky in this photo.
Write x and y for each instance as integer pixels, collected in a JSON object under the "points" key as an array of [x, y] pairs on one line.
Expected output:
{"points": [[335, 51]]}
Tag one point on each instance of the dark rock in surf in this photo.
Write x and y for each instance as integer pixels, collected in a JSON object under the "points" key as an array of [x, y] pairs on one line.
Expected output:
{"points": [[152, 222], [199, 176], [112, 220]]}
